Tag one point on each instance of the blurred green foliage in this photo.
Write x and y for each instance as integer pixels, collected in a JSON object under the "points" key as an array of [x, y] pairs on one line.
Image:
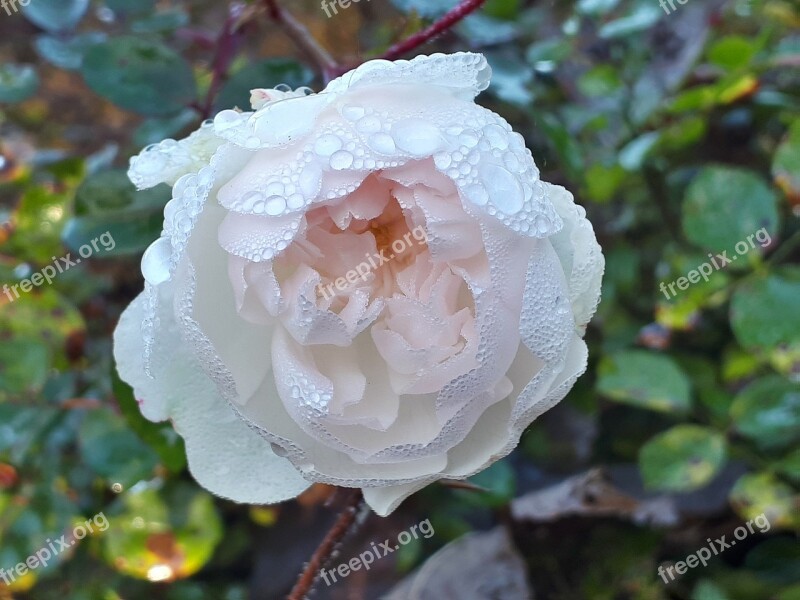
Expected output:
{"points": [[679, 133]]}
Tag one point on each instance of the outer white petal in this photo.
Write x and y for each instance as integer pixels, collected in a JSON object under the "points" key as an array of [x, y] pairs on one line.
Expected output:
{"points": [[463, 74], [167, 161], [225, 456], [580, 255]]}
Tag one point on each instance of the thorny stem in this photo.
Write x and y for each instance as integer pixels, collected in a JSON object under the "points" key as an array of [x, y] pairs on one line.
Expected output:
{"points": [[342, 526], [453, 16], [230, 39]]}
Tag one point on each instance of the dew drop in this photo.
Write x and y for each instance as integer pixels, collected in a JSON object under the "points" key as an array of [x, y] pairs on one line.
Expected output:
{"points": [[382, 143], [351, 112], [477, 194], [341, 160], [250, 199], [327, 145], [505, 191], [369, 124], [156, 261], [275, 205], [417, 137]]}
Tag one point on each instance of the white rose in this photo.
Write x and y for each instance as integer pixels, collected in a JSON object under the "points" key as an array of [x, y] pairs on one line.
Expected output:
{"points": [[369, 287]]}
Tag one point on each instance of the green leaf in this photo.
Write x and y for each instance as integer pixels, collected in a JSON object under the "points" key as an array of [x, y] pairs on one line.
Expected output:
{"points": [[602, 80], [131, 7], [757, 494], [511, 78], [264, 74], [500, 482], [634, 154], [768, 411], [113, 451], [732, 52], [682, 459], [140, 75], [17, 82], [777, 560], [646, 380], [161, 437], [642, 17], [161, 22], [425, 8], [108, 202], [764, 310], [603, 182], [23, 366], [152, 131], [502, 9], [67, 53], [708, 590], [596, 7], [790, 465], [55, 15], [786, 163], [180, 523], [44, 315], [724, 206]]}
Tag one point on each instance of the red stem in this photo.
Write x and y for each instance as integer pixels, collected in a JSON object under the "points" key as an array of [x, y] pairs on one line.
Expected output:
{"points": [[340, 529], [228, 44], [453, 16]]}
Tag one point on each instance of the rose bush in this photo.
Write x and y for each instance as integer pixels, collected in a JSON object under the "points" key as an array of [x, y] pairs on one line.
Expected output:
{"points": [[429, 363]]}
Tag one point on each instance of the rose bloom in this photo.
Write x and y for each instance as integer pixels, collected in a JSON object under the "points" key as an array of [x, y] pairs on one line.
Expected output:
{"points": [[367, 287]]}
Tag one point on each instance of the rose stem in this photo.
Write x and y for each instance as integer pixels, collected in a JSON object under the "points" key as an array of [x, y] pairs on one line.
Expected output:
{"points": [[342, 526], [453, 16], [227, 44], [303, 39]]}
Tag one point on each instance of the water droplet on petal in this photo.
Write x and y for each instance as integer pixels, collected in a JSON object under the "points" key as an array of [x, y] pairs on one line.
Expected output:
{"points": [[250, 200], [370, 124], [497, 136], [327, 145], [275, 205], [477, 194], [156, 261], [417, 137], [382, 143], [352, 112], [226, 120], [505, 190], [341, 160], [311, 180]]}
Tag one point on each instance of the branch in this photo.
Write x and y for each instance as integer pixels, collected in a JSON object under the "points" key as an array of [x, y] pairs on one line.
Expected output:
{"points": [[340, 529], [453, 16], [302, 38], [228, 43]]}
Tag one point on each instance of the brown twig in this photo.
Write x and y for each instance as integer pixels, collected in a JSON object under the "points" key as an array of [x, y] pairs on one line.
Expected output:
{"points": [[302, 38], [340, 529]]}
